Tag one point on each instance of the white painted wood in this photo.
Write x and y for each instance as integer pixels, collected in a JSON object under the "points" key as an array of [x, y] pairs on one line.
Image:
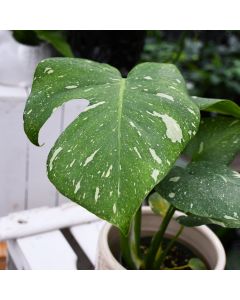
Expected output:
{"points": [[43, 219], [23, 179], [47, 251], [18, 61], [16, 255], [13, 151], [12, 92], [87, 237], [40, 190]]}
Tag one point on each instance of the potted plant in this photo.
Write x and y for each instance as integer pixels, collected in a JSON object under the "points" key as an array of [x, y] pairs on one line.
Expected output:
{"points": [[124, 149], [22, 50]]}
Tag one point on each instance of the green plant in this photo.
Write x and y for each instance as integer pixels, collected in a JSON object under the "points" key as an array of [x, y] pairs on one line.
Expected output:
{"points": [[56, 38], [209, 60], [122, 149]]}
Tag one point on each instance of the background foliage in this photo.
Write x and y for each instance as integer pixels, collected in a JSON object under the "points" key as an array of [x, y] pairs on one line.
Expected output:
{"points": [[209, 60], [210, 63]]}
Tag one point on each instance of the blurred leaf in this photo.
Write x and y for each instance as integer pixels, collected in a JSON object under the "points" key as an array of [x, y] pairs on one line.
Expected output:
{"points": [[217, 140], [226, 107], [196, 264], [205, 189], [57, 40], [158, 204], [26, 37]]}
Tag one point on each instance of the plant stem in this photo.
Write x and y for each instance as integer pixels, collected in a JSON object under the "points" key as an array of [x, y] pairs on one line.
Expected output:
{"points": [[159, 261], [158, 237], [125, 251], [130, 245], [180, 46], [135, 239], [178, 268]]}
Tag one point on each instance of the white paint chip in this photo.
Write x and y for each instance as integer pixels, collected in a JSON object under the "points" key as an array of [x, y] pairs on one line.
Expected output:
{"points": [[119, 189], [223, 178], [72, 163], [77, 187], [229, 218], [174, 132], [90, 158], [87, 90], [48, 70], [136, 150], [155, 174], [236, 174], [134, 126], [70, 87], [56, 152], [96, 194], [148, 77], [155, 156], [191, 111], [109, 171], [174, 179], [234, 122], [93, 106], [201, 146], [165, 96]]}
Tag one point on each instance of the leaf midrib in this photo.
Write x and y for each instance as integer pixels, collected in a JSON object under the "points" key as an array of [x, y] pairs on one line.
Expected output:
{"points": [[121, 93]]}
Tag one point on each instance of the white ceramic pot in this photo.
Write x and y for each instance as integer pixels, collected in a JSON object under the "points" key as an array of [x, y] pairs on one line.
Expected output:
{"points": [[18, 61], [201, 240]]}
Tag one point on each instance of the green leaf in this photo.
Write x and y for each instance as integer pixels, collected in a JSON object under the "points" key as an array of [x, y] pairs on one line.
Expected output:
{"points": [[125, 141], [57, 39], [205, 189], [158, 204], [226, 107], [26, 37], [191, 221], [217, 139], [196, 264]]}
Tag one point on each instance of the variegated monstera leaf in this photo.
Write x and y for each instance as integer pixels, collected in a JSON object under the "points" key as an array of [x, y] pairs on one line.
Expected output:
{"points": [[125, 141]]}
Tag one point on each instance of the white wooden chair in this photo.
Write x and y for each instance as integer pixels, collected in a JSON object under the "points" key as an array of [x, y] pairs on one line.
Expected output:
{"points": [[63, 237], [45, 237]]}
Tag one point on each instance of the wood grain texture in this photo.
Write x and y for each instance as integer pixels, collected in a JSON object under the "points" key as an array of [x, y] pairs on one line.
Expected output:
{"points": [[3, 256]]}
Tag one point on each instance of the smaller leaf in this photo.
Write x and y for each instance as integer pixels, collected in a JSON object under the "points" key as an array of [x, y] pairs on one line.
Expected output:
{"points": [[223, 147], [225, 107], [205, 189], [192, 220], [158, 204], [196, 264], [57, 39]]}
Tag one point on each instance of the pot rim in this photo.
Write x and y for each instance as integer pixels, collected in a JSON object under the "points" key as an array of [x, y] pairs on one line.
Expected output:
{"points": [[221, 259]]}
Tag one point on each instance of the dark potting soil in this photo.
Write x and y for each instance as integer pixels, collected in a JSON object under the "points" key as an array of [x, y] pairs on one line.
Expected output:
{"points": [[178, 256]]}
